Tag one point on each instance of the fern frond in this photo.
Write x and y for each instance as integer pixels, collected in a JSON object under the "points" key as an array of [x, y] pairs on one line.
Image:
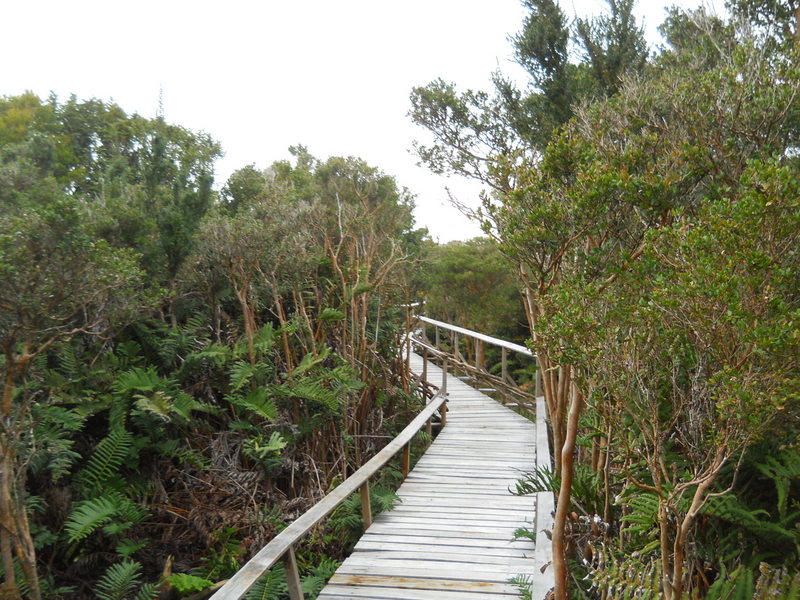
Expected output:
{"points": [[309, 361], [68, 362], [241, 372], [137, 379], [315, 391], [129, 353], [157, 403], [87, 516], [756, 521], [128, 547], [736, 585], [330, 314], [187, 584], [147, 592], [626, 576], [112, 511], [257, 401], [541, 479], [108, 456], [119, 581], [264, 339], [260, 449], [316, 579], [782, 470], [272, 585]]}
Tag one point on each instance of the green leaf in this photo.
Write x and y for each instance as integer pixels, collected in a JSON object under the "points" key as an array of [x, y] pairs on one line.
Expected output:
{"points": [[186, 584]]}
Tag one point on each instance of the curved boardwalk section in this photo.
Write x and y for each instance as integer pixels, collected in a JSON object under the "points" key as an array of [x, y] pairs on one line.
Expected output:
{"points": [[450, 536]]}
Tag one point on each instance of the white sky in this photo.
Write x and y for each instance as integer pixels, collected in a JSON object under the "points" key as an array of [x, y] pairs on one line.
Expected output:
{"points": [[260, 76]]}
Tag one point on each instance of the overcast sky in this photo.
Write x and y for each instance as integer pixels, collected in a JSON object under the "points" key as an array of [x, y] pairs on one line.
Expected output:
{"points": [[260, 76]]}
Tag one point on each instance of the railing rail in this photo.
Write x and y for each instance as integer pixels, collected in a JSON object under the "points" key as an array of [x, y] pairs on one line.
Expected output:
{"points": [[281, 547], [478, 336], [504, 381]]}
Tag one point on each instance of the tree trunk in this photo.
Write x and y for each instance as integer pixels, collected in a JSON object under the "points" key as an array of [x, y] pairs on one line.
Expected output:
{"points": [[14, 531], [562, 509]]}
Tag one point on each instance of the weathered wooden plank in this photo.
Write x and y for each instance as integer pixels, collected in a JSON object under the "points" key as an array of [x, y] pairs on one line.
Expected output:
{"points": [[362, 592], [421, 583], [433, 540]]}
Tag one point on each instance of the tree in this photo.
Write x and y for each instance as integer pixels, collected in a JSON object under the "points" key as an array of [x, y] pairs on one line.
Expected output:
{"points": [[471, 283], [666, 154], [59, 280]]}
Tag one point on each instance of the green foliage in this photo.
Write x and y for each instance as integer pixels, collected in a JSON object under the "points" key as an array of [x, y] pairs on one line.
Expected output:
{"points": [[313, 581], [108, 457], [223, 557], [122, 581], [626, 576], [471, 283], [271, 585], [112, 512], [346, 519], [186, 584]]}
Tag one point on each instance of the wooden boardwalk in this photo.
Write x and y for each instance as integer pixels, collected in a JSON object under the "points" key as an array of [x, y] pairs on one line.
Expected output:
{"points": [[450, 536]]}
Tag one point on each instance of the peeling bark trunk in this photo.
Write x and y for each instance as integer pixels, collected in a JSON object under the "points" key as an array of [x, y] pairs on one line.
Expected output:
{"points": [[562, 509]]}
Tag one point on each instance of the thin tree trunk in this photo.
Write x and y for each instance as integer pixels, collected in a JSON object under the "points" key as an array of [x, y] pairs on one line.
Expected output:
{"points": [[559, 540]]}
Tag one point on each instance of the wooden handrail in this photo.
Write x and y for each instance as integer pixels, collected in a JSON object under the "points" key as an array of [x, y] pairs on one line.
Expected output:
{"points": [[282, 545], [478, 336], [478, 369]]}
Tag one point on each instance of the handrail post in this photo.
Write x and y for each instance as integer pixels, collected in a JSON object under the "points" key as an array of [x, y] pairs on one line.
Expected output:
{"points": [[407, 457], [424, 368], [292, 575], [504, 360], [366, 505], [443, 389], [438, 341]]}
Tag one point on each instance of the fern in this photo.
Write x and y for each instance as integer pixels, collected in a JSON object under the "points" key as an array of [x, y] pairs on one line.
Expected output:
{"points": [[626, 576], [642, 520], [122, 581], [315, 391], [128, 353], [315, 580], [128, 547], [54, 426], [138, 379], [186, 584], [524, 585], [309, 361], [782, 471], [271, 585], [215, 354], [108, 456], [258, 402], [88, 516], [261, 449], [756, 521], [736, 585], [112, 511], [264, 339], [541, 479], [241, 373], [330, 314], [68, 362], [157, 403]]}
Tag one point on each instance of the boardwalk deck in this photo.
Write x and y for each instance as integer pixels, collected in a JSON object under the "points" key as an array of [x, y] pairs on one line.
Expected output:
{"points": [[450, 536]]}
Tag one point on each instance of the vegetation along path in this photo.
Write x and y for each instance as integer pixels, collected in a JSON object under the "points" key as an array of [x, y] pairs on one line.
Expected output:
{"points": [[451, 534]]}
